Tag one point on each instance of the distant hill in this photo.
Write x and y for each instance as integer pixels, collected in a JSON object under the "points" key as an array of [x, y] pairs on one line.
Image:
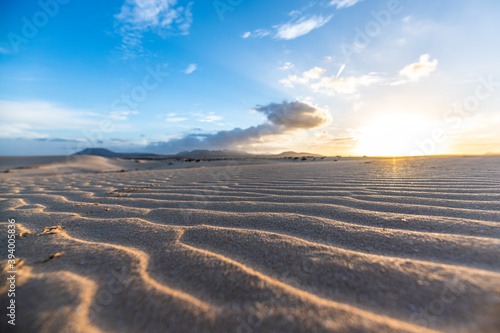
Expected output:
{"points": [[202, 153], [98, 152], [295, 154], [198, 153], [108, 153]]}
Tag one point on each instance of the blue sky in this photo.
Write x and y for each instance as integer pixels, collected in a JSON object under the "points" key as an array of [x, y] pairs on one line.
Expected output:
{"points": [[334, 77]]}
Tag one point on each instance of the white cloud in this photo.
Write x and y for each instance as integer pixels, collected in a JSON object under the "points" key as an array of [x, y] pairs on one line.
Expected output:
{"points": [[299, 12], [162, 17], [343, 85], [344, 3], [190, 68], [423, 68], [315, 79], [26, 119], [292, 29], [288, 82], [286, 66], [172, 117], [175, 119], [121, 115], [210, 118], [328, 59], [312, 74], [19, 130], [300, 27], [41, 115], [259, 33]]}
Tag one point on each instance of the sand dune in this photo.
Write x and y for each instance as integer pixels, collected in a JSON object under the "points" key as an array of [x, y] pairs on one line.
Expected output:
{"points": [[56, 165], [371, 245]]}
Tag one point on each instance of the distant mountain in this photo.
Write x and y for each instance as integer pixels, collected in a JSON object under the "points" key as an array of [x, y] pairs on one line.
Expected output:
{"points": [[295, 154], [202, 153], [108, 153], [198, 153], [98, 152]]}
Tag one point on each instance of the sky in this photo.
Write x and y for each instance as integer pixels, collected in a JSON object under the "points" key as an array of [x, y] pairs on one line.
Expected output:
{"points": [[333, 77]]}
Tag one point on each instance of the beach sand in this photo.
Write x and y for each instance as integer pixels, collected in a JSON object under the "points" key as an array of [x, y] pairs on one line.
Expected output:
{"points": [[355, 245]]}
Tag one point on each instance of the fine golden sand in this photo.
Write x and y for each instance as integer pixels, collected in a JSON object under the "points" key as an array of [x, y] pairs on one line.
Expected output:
{"points": [[359, 244]]}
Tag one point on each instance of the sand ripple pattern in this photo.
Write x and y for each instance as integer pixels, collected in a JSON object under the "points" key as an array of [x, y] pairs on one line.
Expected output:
{"points": [[369, 245]]}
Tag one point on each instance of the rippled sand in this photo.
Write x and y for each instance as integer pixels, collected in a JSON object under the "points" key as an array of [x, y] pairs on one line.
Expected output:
{"points": [[400, 245]]}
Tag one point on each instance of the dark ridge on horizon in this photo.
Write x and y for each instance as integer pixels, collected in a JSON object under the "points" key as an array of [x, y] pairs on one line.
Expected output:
{"points": [[197, 153], [103, 152]]}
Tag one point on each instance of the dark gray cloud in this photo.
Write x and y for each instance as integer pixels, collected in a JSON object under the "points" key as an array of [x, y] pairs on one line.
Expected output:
{"points": [[294, 115], [57, 140], [282, 118]]}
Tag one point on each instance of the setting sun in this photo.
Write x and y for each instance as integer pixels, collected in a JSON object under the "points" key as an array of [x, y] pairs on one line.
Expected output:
{"points": [[392, 135]]}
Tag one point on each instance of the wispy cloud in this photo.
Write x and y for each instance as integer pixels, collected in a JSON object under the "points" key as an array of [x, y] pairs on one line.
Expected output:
{"points": [[334, 85], [423, 68], [208, 118], [286, 66], [316, 80], [295, 28], [258, 33], [313, 74], [32, 119], [190, 68], [29, 119], [327, 59], [19, 130], [121, 115], [162, 17], [175, 119], [344, 3], [301, 27], [60, 140]]}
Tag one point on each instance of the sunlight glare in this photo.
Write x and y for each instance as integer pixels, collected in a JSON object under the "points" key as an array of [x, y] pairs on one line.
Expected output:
{"points": [[392, 135]]}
